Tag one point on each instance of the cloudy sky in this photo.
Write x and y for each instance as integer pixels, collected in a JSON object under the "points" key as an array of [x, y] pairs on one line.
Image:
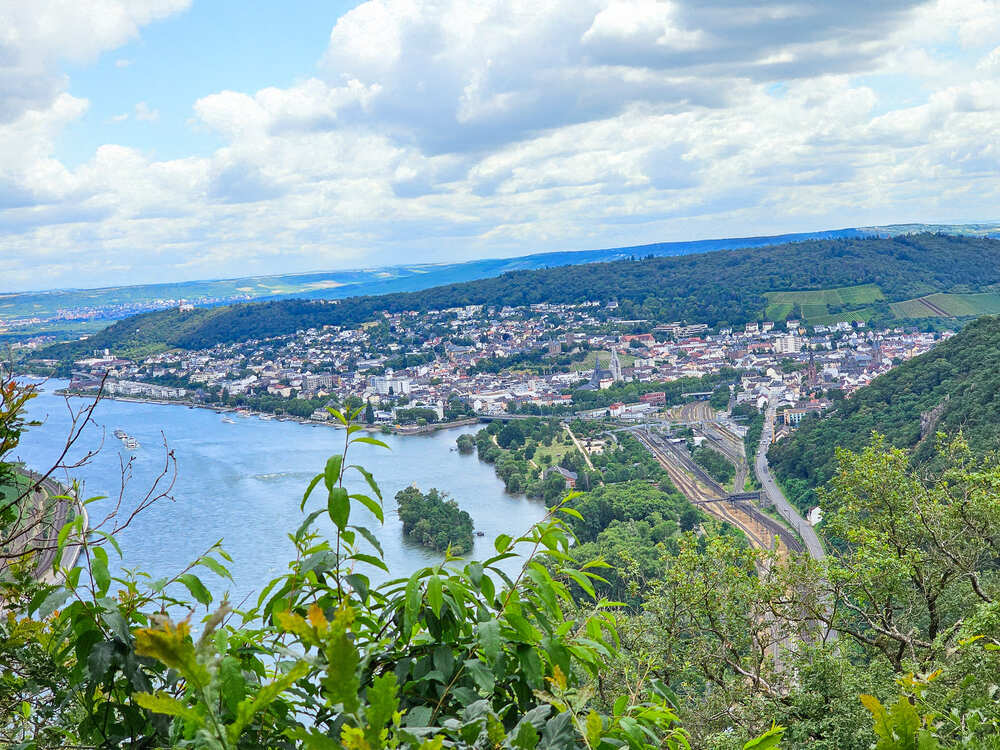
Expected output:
{"points": [[154, 140]]}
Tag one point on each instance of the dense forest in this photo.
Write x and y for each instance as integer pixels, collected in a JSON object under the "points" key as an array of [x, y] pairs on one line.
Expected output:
{"points": [[433, 520], [953, 387], [721, 287]]}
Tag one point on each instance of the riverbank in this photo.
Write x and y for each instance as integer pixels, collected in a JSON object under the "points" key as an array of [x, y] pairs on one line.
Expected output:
{"points": [[393, 429], [46, 520]]}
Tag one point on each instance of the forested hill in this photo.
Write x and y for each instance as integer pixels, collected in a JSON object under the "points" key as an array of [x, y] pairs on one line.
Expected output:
{"points": [[954, 386], [726, 286]]}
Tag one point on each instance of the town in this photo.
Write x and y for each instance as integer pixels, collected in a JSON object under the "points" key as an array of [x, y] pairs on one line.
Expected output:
{"points": [[420, 369]]}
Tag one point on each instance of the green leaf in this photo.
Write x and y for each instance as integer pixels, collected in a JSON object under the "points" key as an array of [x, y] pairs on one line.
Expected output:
{"points": [[337, 415], [99, 660], [359, 583], [215, 566], [481, 675], [411, 605], [372, 539], [248, 708], [582, 581], [374, 507], [502, 543], [371, 441], [331, 475], [196, 587], [526, 736], [312, 485], [301, 531], [371, 560], [770, 739], [434, 596], [370, 479], [382, 704], [489, 640], [161, 703], [232, 683], [339, 507], [99, 569], [52, 602]]}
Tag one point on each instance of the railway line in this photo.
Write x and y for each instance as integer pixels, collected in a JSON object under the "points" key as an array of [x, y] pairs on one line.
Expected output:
{"points": [[761, 531]]}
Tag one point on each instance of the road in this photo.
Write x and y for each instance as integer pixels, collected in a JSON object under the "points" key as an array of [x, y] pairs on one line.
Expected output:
{"points": [[804, 529]]}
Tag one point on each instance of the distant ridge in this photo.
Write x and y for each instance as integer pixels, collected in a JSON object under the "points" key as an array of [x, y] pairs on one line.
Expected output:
{"points": [[413, 276], [723, 287]]}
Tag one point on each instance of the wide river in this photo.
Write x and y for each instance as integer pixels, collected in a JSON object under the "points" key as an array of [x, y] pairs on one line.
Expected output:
{"points": [[243, 483]]}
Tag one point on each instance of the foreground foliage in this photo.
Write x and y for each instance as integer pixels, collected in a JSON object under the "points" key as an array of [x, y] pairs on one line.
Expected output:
{"points": [[473, 654]]}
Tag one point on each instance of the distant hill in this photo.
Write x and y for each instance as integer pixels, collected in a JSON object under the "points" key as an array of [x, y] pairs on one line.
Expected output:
{"points": [[80, 311], [722, 287], [954, 386], [120, 301]]}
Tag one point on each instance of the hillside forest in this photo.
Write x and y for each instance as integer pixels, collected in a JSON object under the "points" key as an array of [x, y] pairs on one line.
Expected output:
{"points": [[725, 287]]}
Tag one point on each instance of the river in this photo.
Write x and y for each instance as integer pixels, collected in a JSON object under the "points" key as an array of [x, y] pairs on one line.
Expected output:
{"points": [[243, 483]]}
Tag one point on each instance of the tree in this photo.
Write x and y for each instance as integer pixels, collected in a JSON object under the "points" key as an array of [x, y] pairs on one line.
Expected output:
{"points": [[369, 413]]}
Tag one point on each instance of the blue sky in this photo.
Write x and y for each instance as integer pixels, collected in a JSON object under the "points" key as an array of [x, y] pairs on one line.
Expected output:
{"points": [[210, 47], [154, 140]]}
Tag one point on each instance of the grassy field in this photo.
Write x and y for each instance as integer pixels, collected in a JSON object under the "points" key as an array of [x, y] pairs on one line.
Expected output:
{"points": [[954, 305], [557, 450], [815, 304]]}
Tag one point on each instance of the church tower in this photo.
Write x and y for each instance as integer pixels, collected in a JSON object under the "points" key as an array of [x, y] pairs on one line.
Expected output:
{"points": [[616, 367]]}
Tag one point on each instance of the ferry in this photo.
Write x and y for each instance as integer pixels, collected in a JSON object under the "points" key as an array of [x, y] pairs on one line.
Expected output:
{"points": [[127, 440]]}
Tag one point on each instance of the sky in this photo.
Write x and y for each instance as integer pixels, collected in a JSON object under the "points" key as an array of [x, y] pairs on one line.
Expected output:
{"points": [[165, 140]]}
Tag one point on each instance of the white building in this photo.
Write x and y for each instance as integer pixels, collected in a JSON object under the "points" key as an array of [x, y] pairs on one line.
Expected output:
{"points": [[790, 344]]}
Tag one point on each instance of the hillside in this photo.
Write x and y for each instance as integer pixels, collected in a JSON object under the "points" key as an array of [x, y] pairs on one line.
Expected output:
{"points": [[722, 287], [954, 386]]}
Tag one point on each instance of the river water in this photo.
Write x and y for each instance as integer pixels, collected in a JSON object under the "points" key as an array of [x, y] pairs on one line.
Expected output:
{"points": [[243, 483]]}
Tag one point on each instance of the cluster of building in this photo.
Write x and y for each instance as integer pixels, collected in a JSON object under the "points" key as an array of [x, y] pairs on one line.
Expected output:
{"points": [[499, 359]]}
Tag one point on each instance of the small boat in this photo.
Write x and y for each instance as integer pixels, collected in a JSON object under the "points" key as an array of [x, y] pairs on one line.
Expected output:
{"points": [[120, 434], [227, 420], [131, 443], [480, 533]]}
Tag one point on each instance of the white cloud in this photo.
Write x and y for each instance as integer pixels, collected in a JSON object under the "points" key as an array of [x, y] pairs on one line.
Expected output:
{"points": [[464, 128], [37, 36], [145, 113]]}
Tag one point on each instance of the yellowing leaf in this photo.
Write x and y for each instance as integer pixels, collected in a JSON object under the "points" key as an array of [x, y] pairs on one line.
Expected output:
{"points": [[316, 618]]}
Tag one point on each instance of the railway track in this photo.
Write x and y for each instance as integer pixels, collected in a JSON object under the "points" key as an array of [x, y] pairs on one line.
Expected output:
{"points": [[759, 529]]}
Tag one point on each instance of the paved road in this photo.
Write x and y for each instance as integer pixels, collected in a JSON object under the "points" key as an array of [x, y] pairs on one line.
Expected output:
{"points": [[774, 494]]}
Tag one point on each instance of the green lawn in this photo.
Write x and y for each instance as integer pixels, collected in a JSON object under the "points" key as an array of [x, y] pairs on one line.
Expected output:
{"points": [[556, 451]]}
